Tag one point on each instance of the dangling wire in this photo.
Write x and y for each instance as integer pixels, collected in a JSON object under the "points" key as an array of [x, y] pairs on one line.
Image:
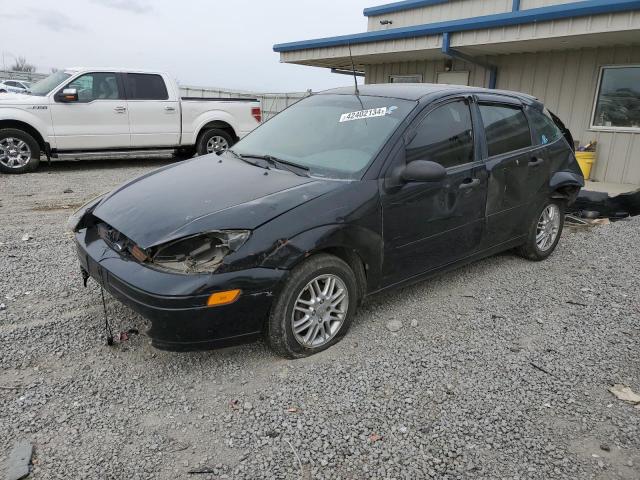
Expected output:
{"points": [[107, 326]]}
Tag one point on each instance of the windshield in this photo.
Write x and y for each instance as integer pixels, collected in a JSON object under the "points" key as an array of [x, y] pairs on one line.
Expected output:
{"points": [[333, 136], [44, 86]]}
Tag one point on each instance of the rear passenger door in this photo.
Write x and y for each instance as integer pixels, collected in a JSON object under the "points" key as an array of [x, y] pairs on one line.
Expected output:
{"points": [[153, 114], [511, 161]]}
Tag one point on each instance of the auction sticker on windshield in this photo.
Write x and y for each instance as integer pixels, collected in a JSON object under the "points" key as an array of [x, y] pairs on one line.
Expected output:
{"points": [[362, 114]]}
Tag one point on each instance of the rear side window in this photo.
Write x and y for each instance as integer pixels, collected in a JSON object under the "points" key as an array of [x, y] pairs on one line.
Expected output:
{"points": [[445, 136], [506, 128], [544, 129], [144, 86]]}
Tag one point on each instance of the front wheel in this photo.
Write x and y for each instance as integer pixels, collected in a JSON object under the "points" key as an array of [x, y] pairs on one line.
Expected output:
{"points": [[19, 151], [544, 231], [314, 309], [215, 141]]}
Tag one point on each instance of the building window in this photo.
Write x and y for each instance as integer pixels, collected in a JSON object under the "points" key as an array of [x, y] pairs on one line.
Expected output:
{"points": [[617, 105], [405, 78]]}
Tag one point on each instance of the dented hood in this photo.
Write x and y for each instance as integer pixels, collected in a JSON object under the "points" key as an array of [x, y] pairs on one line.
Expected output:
{"points": [[205, 194]]}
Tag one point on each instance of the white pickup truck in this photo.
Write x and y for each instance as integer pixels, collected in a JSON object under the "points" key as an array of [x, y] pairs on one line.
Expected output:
{"points": [[95, 112]]}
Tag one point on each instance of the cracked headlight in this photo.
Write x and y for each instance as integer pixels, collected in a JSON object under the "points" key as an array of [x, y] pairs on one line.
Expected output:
{"points": [[201, 253]]}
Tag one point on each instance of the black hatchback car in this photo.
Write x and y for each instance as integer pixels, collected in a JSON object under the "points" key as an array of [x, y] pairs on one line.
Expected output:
{"points": [[340, 196]]}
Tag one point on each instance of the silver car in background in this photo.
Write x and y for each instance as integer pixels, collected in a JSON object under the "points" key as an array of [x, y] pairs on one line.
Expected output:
{"points": [[15, 86]]}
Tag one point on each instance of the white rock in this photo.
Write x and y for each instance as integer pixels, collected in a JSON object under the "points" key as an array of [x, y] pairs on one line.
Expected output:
{"points": [[394, 325]]}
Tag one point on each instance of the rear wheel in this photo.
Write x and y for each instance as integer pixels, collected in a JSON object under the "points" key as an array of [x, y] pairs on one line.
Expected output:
{"points": [[215, 141], [544, 232], [314, 309], [19, 151]]}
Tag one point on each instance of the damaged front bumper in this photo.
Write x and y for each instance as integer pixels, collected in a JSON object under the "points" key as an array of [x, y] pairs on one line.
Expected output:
{"points": [[176, 304]]}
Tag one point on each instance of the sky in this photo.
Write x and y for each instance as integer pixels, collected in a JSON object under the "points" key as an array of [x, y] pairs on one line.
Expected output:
{"points": [[199, 42]]}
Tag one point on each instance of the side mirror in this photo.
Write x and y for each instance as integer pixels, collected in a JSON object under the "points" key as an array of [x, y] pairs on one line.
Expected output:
{"points": [[67, 95], [423, 171]]}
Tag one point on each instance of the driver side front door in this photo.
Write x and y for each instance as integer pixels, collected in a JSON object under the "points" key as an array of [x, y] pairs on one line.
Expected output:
{"points": [[99, 119], [427, 226]]}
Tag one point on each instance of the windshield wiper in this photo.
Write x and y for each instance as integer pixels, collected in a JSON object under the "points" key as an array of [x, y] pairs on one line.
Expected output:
{"points": [[283, 164], [241, 157]]}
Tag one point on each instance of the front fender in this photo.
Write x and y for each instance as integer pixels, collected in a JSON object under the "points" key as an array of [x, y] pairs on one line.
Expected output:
{"points": [[365, 243], [22, 114]]}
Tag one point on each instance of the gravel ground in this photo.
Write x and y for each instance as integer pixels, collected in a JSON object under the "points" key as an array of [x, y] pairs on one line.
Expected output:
{"points": [[498, 370]]}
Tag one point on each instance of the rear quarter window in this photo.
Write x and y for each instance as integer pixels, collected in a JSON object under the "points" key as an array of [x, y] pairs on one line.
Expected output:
{"points": [[144, 86], [544, 129]]}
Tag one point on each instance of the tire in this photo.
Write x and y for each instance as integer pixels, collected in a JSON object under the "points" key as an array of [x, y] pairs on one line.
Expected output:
{"points": [[3, 91], [23, 141], [535, 249], [184, 153], [223, 137], [280, 331]]}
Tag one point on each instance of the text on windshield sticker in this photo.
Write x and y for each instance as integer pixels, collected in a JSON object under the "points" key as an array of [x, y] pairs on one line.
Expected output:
{"points": [[362, 114]]}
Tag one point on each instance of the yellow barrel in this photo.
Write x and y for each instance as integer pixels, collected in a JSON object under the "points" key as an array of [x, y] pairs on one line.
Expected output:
{"points": [[586, 161]]}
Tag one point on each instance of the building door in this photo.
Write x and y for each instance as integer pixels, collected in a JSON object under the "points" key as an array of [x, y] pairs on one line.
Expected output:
{"points": [[453, 78]]}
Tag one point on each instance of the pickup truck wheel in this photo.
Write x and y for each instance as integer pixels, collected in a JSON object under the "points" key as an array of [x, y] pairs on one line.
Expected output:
{"points": [[214, 141], [19, 151]]}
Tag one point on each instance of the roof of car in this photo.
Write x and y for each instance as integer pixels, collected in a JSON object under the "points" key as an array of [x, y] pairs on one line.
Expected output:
{"points": [[416, 91]]}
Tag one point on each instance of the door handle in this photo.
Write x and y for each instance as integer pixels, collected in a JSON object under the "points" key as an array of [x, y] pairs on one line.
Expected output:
{"points": [[535, 161], [469, 183], [170, 109], [120, 109]]}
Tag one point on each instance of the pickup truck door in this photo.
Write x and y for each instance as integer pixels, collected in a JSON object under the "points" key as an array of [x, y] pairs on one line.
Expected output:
{"points": [[154, 112], [98, 119]]}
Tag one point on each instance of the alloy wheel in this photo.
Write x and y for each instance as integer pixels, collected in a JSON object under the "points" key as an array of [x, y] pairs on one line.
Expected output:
{"points": [[320, 310], [14, 153], [217, 144], [548, 227]]}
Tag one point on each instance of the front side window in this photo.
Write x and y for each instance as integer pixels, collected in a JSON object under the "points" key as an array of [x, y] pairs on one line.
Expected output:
{"points": [[96, 86], [545, 129], [506, 128], [144, 86], [335, 136], [445, 136], [618, 98]]}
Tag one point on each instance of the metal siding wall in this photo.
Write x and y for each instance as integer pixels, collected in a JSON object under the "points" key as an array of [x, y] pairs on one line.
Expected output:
{"points": [[526, 4], [566, 82], [441, 12]]}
